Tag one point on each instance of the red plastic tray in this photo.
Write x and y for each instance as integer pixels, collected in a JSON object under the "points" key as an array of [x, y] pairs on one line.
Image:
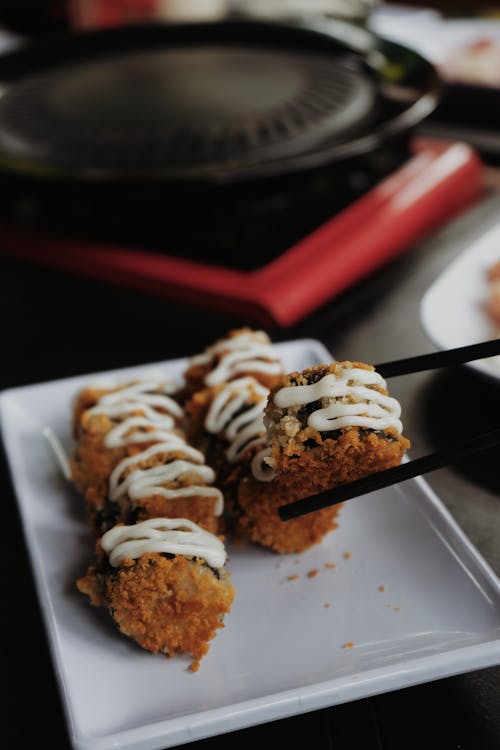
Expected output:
{"points": [[436, 183]]}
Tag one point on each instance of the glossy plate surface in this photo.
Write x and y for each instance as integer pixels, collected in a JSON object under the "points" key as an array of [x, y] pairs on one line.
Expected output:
{"points": [[395, 596], [453, 310]]}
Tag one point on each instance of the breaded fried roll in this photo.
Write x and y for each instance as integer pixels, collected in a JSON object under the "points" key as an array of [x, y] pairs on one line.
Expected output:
{"points": [[132, 461], [326, 426], [164, 584]]}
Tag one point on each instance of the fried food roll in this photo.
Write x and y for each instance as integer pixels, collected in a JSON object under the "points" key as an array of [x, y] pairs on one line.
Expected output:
{"points": [[243, 352], [132, 461], [164, 584], [326, 426]]}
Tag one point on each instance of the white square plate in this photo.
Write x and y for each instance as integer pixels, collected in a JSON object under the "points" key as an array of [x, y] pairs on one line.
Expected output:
{"points": [[453, 310], [408, 600]]}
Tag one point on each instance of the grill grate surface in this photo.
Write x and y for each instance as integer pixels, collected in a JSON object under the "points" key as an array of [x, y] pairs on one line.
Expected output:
{"points": [[182, 110]]}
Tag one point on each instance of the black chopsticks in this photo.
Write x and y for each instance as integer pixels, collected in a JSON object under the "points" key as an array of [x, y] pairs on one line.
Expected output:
{"points": [[448, 358], [418, 466], [383, 479]]}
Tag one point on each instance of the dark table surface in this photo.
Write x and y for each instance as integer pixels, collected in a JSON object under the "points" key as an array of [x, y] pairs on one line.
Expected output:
{"points": [[55, 325]]}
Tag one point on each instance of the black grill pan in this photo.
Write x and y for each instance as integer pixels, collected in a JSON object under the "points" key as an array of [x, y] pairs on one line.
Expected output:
{"points": [[211, 102]]}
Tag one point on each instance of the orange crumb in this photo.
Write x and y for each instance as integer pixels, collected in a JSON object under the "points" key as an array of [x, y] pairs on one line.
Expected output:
{"points": [[292, 578], [238, 541], [313, 573], [381, 588], [396, 609], [194, 667], [349, 644], [329, 566], [326, 605], [347, 555]]}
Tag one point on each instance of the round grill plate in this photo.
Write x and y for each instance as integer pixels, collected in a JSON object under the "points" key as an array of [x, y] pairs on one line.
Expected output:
{"points": [[180, 109], [209, 101]]}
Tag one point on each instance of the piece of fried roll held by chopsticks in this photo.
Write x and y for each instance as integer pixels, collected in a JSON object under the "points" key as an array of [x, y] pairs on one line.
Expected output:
{"points": [[326, 426]]}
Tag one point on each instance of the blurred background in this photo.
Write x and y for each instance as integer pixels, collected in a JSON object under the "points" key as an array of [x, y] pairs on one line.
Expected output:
{"points": [[115, 112]]}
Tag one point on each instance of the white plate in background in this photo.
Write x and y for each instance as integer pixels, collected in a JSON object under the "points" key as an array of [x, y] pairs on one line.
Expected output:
{"points": [[453, 310], [409, 594]]}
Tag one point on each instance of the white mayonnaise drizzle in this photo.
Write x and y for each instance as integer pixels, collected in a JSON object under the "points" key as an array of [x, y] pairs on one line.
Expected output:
{"points": [[249, 351], [143, 396], [354, 402], [260, 469], [242, 430], [147, 482], [176, 536]]}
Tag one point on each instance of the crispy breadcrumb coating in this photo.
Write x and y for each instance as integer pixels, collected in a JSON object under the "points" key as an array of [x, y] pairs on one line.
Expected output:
{"points": [[165, 604], [85, 399], [256, 517], [289, 434]]}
